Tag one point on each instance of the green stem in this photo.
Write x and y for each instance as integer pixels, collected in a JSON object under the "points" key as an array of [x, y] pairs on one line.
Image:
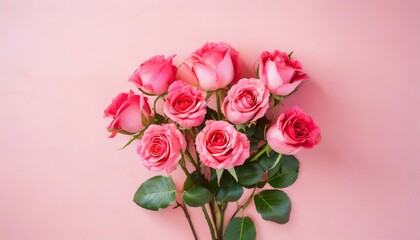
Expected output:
{"points": [[219, 111], [155, 102], [194, 135], [191, 160], [220, 215], [182, 164], [248, 201], [260, 152], [206, 215], [187, 215], [213, 216]]}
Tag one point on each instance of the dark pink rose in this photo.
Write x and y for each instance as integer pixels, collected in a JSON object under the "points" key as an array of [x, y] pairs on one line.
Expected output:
{"points": [[161, 147], [213, 66], [280, 74], [185, 105], [221, 146], [292, 131], [246, 101], [155, 75], [127, 111]]}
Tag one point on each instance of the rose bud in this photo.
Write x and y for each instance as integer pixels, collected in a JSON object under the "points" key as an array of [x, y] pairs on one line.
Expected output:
{"points": [[127, 111], [155, 75], [280, 74], [213, 66]]}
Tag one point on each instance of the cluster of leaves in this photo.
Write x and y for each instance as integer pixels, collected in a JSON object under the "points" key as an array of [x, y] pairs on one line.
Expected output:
{"points": [[276, 170]]}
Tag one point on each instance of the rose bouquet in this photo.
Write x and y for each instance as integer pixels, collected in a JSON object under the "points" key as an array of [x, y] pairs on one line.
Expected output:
{"points": [[214, 126]]}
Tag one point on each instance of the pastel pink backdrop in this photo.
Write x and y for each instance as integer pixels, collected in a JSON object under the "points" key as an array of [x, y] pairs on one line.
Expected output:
{"points": [[62, 62]]}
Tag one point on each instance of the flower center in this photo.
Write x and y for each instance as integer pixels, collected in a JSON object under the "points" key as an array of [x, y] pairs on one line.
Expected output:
{"points": [[246, 99], [299, 129], [218, 139], [183, 103], [157, 147]]}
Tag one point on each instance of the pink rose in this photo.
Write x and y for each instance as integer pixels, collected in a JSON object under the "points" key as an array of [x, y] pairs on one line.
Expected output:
{"points": [[221, 146], [127, 111], [246, 101], [280, 74], [185, 105], [213, 66], [155, 75], [160, 147], [292, 131]]}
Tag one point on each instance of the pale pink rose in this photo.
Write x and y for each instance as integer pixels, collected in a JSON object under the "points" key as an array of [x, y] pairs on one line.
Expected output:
{"points": [[221, 146], [155, 75], [213, 66], [185, 105], [280, 74], [161, 147], [246, 101], [292, 131], [127, 111]]}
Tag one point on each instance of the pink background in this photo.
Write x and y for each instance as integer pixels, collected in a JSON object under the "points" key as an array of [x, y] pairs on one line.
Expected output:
{"points": [[62, 62]]}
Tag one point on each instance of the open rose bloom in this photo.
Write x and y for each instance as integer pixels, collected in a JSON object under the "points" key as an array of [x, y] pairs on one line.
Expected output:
{"points": [[223, 148]]}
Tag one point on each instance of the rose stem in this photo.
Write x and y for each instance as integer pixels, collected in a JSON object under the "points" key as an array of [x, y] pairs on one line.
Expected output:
{"points": [[187, 215], [211, 205], [194, 135], [154, 103], [219, 112], [220, 215], [248, 201], [206, 215], [259, 153], [191, 160]]}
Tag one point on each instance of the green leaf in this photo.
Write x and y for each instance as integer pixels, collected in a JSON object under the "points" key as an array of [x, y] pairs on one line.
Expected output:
{"points": [[230, 193], [261, 184], [240, 229], [159, 118], [268, 161], [157, 193], [249, 174], [219, 173], [197, 196], [194, 179], [288, 173], [273, 205], [261, 125], [210, 114], [136, 136], [250, 131], [227, 179], [240, 127], [213, 185], [233, 173]]}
